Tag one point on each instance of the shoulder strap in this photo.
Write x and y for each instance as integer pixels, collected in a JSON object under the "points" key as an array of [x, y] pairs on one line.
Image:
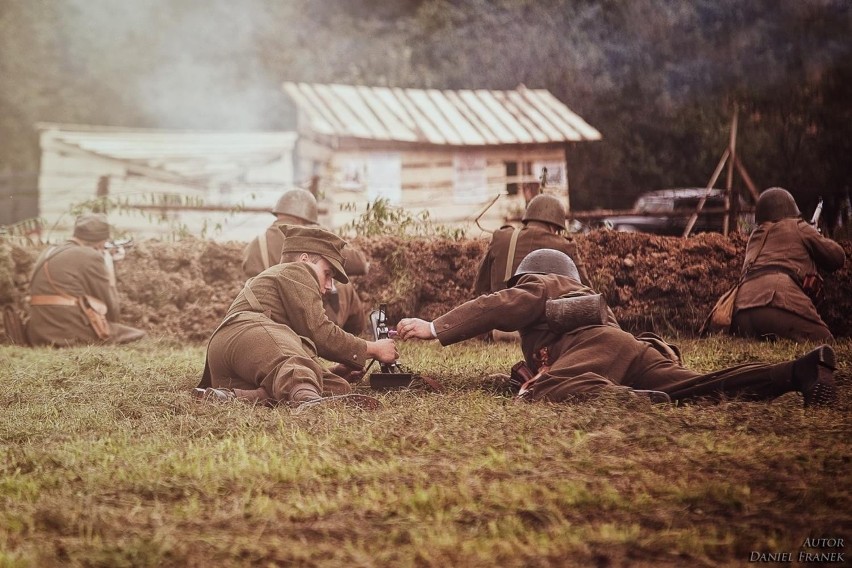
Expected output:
{"points": [[510, 257], [759, 250], [49, 253], [53, 284], [264, 250], [250, 297]]}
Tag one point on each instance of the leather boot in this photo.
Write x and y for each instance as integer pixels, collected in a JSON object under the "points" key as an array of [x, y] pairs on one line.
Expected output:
{"points": [[813, 376]]}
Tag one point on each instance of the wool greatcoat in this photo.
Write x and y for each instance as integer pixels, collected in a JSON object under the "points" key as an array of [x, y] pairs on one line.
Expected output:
{"points": [[770, 299], [491, 275], [591, 359], [74, 270], [275, 344], [344, 307]]}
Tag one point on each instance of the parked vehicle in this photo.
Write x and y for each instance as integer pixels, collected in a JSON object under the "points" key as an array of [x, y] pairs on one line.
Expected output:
{"points": [[671, 201]]}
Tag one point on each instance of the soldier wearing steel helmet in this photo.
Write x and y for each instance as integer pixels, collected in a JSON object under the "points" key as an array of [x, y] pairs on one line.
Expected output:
{"points": [[299, 207], [781, 252], [573, 353], [543, 227]]}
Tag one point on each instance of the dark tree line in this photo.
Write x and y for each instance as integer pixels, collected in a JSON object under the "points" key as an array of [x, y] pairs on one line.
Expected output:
{"points": [[659, 78]]}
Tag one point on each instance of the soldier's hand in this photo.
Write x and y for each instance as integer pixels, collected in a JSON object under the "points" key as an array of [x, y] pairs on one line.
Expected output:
{"points": [[345, 372], [384, 350], [414, 328]]}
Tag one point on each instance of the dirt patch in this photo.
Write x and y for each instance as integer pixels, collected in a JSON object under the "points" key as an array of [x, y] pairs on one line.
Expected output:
{"points": [[652, 283]]}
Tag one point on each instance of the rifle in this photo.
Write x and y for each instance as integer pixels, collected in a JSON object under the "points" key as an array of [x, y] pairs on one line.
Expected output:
{"points": [[812, 283], [817, 213], [118, 248]]}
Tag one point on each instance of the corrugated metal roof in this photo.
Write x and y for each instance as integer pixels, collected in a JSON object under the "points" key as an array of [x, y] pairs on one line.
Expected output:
{"points": [[188, 154], [457, 118]]}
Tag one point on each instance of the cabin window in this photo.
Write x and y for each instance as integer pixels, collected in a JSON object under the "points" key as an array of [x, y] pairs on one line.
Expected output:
{"points": [[518, 174], [512, 172]]}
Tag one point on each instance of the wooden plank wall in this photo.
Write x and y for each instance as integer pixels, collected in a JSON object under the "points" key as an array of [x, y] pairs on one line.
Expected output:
{"points": [[69, 177], [428, 178]]}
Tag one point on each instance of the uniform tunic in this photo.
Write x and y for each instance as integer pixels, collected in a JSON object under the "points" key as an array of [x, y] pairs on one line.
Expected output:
{"points": [[76, 270], [491, 275], [772, 302], [277, 347], [347, 310], [587, 360]]}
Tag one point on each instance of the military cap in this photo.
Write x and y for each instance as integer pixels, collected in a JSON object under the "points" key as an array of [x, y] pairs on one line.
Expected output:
{"points": [[314, 240], [92, 227]]}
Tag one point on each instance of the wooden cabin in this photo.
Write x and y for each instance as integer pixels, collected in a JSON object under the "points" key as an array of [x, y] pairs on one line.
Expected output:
{"points": [[460, 155], [163, 183]]}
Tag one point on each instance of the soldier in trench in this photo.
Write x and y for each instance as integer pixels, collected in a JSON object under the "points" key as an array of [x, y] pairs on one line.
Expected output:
{"points": [[299, 207], [780, 278], [73, 297], [543, 228]]}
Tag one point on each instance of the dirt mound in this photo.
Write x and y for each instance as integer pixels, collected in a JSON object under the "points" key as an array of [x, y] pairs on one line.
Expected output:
{"points": [[181, 289], [652, 283]]}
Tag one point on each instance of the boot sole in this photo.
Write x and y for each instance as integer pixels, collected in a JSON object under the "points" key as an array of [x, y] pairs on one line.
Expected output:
{"points": [[827, 358], [824, 390]]}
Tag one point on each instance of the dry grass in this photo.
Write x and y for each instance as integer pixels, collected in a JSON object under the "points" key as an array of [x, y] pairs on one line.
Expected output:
{"points": [[106, 461]]}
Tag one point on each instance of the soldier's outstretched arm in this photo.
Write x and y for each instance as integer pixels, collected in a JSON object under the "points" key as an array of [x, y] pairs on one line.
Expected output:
{"points": [[415, 328]]}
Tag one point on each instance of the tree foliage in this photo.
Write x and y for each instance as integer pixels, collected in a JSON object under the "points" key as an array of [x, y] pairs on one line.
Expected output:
{"points": [[659, 78]]}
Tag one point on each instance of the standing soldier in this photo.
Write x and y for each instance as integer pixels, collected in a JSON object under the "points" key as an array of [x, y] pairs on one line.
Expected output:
{"points": [[575, 356], [782, 261], [72, 297], [299, 207], [543, 227], [267, 347]]}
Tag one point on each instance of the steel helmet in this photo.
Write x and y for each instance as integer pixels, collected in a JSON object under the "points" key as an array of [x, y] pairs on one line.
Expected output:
{"points": [[775, 204], [547, 209], [299, 203], [546, 261]]}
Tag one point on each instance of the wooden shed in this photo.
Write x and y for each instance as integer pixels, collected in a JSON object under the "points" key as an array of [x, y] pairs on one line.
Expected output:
{"points": [[451, 153], [217, 184]]}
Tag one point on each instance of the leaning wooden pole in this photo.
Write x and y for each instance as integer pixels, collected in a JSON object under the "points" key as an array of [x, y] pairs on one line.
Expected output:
{"points": [[730, 204], [747, 179], [709, 188]]}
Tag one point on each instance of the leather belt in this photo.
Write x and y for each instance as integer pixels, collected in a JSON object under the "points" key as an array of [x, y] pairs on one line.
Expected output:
{"points": [[770, 269], [52, 300]]}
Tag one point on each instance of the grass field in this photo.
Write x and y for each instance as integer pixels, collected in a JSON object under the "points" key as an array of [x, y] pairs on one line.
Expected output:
{"points": [[107, 461]]}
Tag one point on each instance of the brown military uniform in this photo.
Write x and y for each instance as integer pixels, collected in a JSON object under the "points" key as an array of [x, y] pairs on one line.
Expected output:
{"points": [[492, 273], [275, 343], [587, 360], [770, 299], [61, 275], [344, 308]]}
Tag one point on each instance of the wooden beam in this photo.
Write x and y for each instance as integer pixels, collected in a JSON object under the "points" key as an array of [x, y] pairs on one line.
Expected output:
{"points": [[710, 185], [747, 179], [729, 186]]}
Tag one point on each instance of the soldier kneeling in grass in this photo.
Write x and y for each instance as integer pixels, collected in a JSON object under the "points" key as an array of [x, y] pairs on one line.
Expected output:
{"points": [[266, 349], [574, 348], [73, 297]]}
